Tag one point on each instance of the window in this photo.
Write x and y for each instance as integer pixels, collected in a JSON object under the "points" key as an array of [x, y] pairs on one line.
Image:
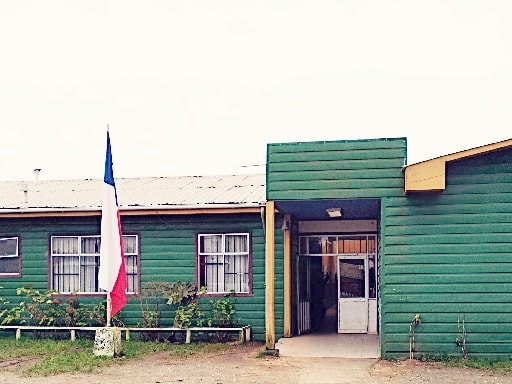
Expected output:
{"points": [[10, 263], [224, 262], [75, 262]]}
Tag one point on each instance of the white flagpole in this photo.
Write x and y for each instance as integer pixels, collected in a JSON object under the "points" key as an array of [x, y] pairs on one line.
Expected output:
{"points": [[109, 300], [108, 339], [109, 310]]}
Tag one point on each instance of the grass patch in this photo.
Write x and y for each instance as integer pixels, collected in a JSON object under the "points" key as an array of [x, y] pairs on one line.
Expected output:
{"points": [[60, 356], [501, 366]]}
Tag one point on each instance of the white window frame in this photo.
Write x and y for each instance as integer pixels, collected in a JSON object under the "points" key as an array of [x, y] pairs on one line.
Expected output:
{"points": [[9, 256], [224, 270], [87, 262]]}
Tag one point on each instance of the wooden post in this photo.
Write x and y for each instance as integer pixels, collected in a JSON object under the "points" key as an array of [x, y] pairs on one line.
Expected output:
{"points": [[270, 331], [287, 289]]}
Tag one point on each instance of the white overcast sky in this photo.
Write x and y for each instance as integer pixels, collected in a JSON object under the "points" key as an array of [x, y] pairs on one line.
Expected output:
{"points": [[200, 87]]}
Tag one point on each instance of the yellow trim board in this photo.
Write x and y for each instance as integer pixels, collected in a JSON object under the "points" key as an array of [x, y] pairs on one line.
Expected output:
{"points": [[430, 175], [129, 212]]}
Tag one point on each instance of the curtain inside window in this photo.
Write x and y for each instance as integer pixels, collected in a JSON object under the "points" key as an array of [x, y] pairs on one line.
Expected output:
{"points": [[75, 263], [226, 262], [66, 269]]}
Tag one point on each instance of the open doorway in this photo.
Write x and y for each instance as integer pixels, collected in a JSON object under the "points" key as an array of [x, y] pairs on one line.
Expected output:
{"points": [[337, 284]]}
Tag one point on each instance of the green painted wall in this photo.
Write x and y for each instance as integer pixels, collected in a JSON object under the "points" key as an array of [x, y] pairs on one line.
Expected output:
{"points": [[448, 257], [167, 246], [335, 169]]}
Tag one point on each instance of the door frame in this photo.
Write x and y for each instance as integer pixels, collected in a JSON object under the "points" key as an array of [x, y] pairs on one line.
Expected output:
{"points": [[303, 302]]}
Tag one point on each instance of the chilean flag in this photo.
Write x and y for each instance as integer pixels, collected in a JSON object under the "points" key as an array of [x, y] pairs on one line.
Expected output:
{"points": [[112, 272]]}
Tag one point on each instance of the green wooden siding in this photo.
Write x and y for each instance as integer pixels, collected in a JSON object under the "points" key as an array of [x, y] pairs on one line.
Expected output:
{"points": [[448, 257], [335, 169], [167, 245]]}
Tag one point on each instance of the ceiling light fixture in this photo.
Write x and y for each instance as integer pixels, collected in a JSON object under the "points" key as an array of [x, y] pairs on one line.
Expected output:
{"points": [[333, 212]]}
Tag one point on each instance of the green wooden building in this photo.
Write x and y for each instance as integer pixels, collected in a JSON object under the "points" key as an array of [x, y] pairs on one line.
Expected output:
{"points": [[338, 238], [206, 230], [418, 255]]}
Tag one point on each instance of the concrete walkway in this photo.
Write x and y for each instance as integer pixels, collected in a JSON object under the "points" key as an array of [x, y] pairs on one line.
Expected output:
{"points": [[351, 346]]}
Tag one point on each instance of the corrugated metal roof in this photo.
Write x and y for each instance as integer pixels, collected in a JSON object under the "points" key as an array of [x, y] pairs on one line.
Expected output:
{"points": [[144, 192]]}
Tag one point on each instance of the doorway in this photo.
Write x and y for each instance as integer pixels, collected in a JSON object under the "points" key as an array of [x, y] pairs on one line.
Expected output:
{"points": [[337, 285]]}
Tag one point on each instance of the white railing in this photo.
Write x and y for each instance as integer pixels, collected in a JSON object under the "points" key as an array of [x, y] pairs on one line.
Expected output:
{"points": [[244, 332]]}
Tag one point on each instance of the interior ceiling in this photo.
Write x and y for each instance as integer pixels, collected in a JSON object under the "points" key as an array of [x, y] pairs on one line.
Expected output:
{"points": [[352, 209]]}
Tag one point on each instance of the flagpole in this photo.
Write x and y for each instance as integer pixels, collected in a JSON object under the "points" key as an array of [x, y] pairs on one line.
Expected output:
{"points": [[109, 299], [109, 310], [112, 270]]}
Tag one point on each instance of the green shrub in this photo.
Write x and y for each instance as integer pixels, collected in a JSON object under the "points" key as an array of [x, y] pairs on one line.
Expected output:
{"points": [[222, 311], [184, 297]]}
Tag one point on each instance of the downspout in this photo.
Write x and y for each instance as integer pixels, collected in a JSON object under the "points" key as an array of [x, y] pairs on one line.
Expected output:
{"points": [[270, 327], [262, 214]]}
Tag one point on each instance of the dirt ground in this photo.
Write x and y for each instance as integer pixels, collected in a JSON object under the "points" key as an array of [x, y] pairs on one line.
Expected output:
{"points": [[244, 366]]}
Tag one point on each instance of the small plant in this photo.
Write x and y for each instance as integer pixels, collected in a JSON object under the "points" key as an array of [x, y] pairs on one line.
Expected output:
{"points": [[3, 307], [185, 298], [222, 314], [461, 338], [98, 315], [222, 311], [150, 296], [72, 313], [38, 308]]}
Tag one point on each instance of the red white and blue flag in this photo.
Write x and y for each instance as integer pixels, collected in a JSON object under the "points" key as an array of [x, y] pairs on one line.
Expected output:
{"points": [[112, 272]]}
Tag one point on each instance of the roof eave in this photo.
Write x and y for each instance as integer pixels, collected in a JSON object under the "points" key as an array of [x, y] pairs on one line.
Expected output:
{"points": [[430, 175], [136, 210]]}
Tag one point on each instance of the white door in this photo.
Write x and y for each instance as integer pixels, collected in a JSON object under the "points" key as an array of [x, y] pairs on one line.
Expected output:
{"points": [[352, 294]]}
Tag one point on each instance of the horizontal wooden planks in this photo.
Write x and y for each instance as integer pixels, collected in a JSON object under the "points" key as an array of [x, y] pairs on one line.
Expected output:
{"points": [[447, 256]]}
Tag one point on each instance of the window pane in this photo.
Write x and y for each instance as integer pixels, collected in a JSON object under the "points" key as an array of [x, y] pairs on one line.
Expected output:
{"points": [[236, 243], [214, 265], [237, 273], [130, 244], [210, 244], [315, 245], [9, 246], [91, 245], [352, 278], [131, 274], [303, 245], [9, 258], [9, 265], [65, 245], [89, 273], [66, 274]]}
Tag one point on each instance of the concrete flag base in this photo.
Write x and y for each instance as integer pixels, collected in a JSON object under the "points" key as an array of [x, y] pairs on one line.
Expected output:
{"points": [[107, 342]]}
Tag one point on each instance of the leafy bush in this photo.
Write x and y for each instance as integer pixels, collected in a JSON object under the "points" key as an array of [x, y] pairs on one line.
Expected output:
{"points": [[3, 306], [47, 309], [222, 311], [184, 297]]}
